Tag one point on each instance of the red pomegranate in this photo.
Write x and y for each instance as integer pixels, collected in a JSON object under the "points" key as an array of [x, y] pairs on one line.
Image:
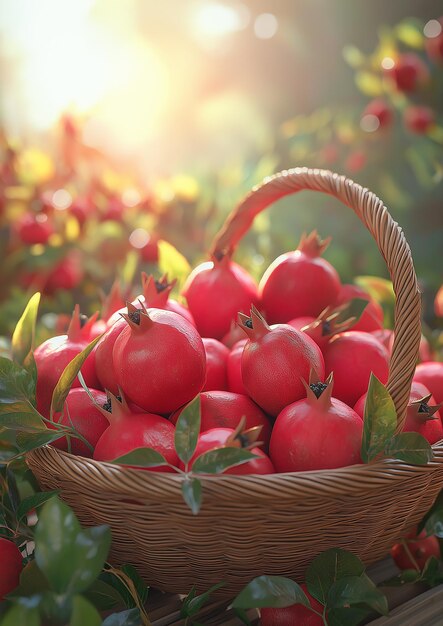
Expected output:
{"points": [[434, 41], [128, 431], [12, 565], [104, 365], [318, 432], [372, 317], [216, 363], [33, 228], [233, 335], [220, 437], [233, 367], [81, 412], [274, 362], [54, 354], [150, 251], [420, 548], [356, 161], [159, 360], [352, 356], [419, 119], [294, 615], [216, 291], [67, 274], [408, 73], [156, 296], [382, 111], [299, 283], [430, 374]]}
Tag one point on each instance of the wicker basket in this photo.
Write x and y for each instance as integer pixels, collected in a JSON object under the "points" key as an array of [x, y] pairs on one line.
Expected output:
{"points": [[275, 524]]}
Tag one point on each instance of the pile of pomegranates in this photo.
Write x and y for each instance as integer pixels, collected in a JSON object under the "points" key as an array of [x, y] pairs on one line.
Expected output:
{"points": [[285, 355]]}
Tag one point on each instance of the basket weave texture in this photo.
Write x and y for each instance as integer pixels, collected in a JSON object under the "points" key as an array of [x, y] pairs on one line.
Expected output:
{"points": [[273, 524]]}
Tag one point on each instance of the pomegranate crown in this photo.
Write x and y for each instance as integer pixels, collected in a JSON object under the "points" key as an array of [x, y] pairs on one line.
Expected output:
{"points": [[80, 325], [333, 320], [423, 411], [115, 407], [312, 245], [255, 326], [317, 391], [113, 301], [137, 318], [242, 438], [156, 292]]}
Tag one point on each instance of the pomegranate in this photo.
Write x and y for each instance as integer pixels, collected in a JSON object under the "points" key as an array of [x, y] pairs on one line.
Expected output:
{"points": [[274, 361], [352, 356], [422, 413], [80, 411], [104, 366], [54, 354], [318, 432], [419, 119], [386, 337], [408, 72], [381, 111], [67, 274], [294, 615], [128, 431], [224, 409], [234, 335], [299, 283], [159, 360], [356, 161], [372, 317], [12, 565], [431, 375], [216, 363], [156, 296], [434, 42], [222, 282], [34, 228], [233, 367], [220, 437], [420, 549], [150, 252]]}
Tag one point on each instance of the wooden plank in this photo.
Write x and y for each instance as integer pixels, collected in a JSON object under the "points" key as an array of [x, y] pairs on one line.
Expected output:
{"points": [[424, 610]]}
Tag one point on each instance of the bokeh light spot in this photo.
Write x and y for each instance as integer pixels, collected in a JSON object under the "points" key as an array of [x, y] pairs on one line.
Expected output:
{"points": [[369, 123], [131, 197], [41, 218], [387, 63], [432, 29], [61, 199], [139, 238], [265, 26]]}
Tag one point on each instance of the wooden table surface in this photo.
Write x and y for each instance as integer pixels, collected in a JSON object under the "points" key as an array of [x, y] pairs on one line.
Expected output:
{"points": [[410, 605]]}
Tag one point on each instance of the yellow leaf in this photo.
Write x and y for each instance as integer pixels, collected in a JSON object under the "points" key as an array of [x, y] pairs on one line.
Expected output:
{"points": [[369, 84], [72, 229], [410, 33], [172, 262], [353, 56], [34, 166], [379, 288]]}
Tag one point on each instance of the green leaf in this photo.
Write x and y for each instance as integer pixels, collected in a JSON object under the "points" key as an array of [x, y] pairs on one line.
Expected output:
{"points": [[141, 457], [24, 334], [32, 581], [131, 617], [380, 420], [83, 612], [433, 520], [30, 441], [411, 448], [357, 590], [17, 399], [192, 604], [270, 591], [405, 577], [220, 459], [70, 558], [68, 376], [242, 616], [352, 616], [20, 614], [192, 494], [187, 430], [327, 568], [432, 573], [141, 587], [103, 596], [34, 501]]}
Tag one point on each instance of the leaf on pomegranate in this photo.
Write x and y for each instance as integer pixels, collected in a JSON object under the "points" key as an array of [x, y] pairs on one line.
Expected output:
{"points": [[411, 448], [379, 422], [84, 612], [24, 335], [141, 457], [17, 399], [68, 376], [432, 522], [270, 592], [351, 590], [329, 567], [220, 459], [187, 430], [192, 494], [28, 441], [172, 262], [34, 501]]}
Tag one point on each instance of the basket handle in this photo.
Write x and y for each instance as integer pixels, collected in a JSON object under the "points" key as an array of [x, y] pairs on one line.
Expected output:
{"points": [[391, 243]]}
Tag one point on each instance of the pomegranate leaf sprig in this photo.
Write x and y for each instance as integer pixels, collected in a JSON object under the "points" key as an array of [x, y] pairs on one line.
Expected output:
{"points": [[380, 437], [186, 435]]}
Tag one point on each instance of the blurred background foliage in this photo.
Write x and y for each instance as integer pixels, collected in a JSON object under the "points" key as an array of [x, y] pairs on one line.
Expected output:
{"points": [[129, 124]]}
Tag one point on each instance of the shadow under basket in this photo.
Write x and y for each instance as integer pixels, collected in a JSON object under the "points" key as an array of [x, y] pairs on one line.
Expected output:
{"points": [[272, 524]]}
